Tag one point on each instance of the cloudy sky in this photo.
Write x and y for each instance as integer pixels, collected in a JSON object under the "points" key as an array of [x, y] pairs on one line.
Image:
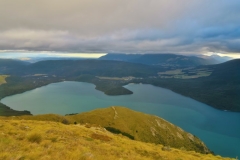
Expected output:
{"points": [[129, 26]]}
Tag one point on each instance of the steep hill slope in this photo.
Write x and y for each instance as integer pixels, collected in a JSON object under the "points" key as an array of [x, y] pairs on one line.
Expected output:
{"points": [[142, 127], [26, 139]]}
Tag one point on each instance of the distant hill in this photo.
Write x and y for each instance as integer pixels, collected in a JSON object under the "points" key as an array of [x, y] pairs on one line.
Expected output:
{"points": [[70, 68], [219, 59], [29, 139], [8, 65], [228, 71], [220, 90], [167, 60], [37, 59]]}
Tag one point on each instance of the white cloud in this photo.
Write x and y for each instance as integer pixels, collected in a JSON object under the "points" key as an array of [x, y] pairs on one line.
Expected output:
{"points": [[135, 26]]}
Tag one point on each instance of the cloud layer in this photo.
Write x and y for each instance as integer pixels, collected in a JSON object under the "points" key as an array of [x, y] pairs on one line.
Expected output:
{"points": [[135, 26]]}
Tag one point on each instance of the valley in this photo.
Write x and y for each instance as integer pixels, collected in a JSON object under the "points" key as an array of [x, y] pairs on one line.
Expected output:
{"points": [[215, 85], [119, 80]]}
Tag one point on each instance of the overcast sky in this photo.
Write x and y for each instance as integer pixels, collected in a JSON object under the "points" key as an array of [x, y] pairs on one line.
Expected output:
{"points": [[129, 26]]}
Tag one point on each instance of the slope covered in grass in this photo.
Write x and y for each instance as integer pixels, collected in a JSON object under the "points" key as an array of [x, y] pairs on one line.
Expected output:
{"points": [[141, 127], [45, 140], [132, 124]]}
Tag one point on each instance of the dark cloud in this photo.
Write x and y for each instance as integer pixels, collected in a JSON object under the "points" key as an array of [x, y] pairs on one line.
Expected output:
{"points": [[136, 26]]}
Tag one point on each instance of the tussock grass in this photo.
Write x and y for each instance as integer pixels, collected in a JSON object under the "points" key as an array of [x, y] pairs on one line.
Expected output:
{"points": [[35, 138], [54, 140], [141, 127], [132, 124]]}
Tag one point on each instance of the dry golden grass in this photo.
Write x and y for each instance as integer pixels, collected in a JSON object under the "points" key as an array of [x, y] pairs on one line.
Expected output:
{"points": [[149, 128], [2, 79], [44, 140], [143, 127]]}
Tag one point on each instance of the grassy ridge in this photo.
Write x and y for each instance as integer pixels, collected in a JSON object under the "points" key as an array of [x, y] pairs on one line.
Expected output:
{"points": [[27, 139], [132, 124], [142, 127]]}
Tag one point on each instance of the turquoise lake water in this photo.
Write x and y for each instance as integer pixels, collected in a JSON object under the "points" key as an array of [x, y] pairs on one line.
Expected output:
{"points": [[219, 130]]}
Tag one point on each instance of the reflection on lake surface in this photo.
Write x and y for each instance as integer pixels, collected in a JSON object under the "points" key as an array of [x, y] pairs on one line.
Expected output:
{"points": [[218, 129]]}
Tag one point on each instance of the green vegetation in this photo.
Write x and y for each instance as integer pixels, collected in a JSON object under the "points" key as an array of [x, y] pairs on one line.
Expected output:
{"points": [[6, 111], [109, 87], [117, 131], [187, 73], [17, 84], [28, 139]]}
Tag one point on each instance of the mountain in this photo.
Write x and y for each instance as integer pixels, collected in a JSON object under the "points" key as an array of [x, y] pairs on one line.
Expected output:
{"points": [[167, 60], [220, 59], [227, 71], [220, 90], [42, 140], [8, 65], [37, 59], [70, 68]]}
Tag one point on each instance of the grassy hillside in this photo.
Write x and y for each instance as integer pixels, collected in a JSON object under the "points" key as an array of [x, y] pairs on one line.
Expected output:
{"points": [[141, 127], [28, 139], [2, 79], [132, 124]]}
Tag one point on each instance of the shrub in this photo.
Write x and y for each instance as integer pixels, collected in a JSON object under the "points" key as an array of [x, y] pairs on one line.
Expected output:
{"points": [[117, 131], [65, 121], [35, 138]]}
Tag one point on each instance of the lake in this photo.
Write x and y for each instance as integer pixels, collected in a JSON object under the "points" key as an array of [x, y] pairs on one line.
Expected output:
{"points": [[220, 130]]}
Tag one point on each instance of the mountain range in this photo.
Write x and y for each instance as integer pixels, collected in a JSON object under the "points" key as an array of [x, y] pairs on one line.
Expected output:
{"points": [[164, 60]]}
